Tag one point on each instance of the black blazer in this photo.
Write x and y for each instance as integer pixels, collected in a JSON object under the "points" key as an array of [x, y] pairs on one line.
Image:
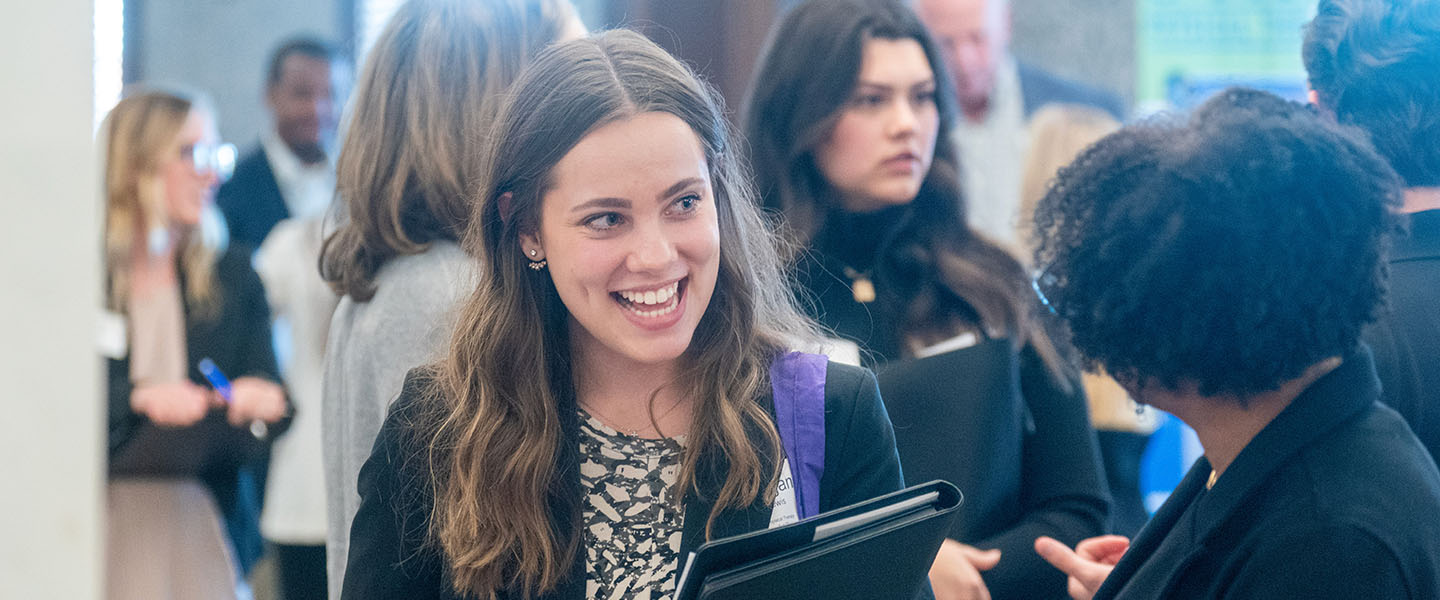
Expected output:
{"points": [[251, 200], [1406, 335], [238, 339], [1039, 476], [388, 558], [1335, 498]]}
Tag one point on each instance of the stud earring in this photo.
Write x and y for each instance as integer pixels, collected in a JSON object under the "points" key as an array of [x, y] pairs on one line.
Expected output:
{"points": [[532, 253]]}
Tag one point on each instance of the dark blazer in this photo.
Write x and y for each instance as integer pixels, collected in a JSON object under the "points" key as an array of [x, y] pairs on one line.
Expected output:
{"points": [[388, 558], [251, 200], [1039, 88], [1406, 336], [237, 338], [1333, 499], [1040, 475]]}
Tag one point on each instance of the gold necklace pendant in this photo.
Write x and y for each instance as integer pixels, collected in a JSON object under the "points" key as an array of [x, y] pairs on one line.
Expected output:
{"points": [[863, 290], [860, 285]]}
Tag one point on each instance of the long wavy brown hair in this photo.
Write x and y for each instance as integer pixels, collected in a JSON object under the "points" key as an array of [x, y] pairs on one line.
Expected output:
{"points": [[430, 87], [499, 423], [805, 77]]}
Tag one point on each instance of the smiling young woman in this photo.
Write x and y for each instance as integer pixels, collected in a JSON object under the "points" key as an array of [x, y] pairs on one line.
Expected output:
{"points": [[605, 406]]}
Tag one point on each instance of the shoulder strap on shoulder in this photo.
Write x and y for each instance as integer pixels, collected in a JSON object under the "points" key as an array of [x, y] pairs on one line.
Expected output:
{"points": [[797, 380]]}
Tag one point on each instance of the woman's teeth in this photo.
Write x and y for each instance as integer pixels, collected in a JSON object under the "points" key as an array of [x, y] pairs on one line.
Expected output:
{"points": [[653, 303], [652, 297]]}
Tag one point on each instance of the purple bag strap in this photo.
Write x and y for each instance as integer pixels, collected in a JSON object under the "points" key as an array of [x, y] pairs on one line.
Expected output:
{"points": [[798, 382]]}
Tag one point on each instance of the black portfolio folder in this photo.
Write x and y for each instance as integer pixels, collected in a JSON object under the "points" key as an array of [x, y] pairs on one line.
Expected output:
{"points": [[960, 417], [875, 550]]}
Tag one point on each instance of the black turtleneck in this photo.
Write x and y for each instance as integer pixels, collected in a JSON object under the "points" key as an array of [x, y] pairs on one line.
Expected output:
{"points": [[857, 242]]}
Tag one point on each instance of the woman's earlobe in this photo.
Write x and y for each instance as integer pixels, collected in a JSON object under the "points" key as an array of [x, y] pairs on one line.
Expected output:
{"points": [[531, 248], [533, 252]]}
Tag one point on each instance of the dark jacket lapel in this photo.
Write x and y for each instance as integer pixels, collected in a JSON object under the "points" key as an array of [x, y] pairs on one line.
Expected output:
{"points": [[1333, 399], [1160, 525], [1326, 404]]}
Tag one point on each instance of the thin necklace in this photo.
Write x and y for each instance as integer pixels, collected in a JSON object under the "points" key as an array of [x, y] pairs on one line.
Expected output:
{"points": [[629, 431], [860, 285]]}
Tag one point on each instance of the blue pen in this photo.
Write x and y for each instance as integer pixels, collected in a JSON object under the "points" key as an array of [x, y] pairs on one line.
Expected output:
{"points": [[216, 378]]}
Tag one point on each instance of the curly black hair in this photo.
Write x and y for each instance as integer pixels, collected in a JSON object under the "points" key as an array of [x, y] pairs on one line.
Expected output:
{"points": [[1231, 250]]}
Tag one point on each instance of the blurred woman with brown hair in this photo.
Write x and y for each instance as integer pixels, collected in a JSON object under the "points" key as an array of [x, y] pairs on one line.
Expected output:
{"points": [[426, 99]]}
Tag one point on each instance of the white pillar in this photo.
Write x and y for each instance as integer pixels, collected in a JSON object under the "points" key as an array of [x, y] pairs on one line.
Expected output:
{"points": [[51, 431]]}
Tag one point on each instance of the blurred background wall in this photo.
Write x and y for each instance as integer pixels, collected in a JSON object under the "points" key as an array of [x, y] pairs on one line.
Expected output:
{"points": [[221, 46]]}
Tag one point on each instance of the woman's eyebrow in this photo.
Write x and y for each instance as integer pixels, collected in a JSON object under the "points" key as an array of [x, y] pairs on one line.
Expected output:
{"points": [[606, 202]]}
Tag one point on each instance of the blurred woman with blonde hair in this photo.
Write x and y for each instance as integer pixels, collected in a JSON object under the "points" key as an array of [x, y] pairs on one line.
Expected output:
{"points": [[176, 298], [1058, 134]]}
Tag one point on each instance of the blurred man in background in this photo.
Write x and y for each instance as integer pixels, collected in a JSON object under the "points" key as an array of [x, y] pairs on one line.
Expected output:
{"points": [[997, 95], [291, 172]]}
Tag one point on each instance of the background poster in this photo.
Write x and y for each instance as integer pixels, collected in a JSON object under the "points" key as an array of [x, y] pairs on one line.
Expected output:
{"points": [[1188, 49]]}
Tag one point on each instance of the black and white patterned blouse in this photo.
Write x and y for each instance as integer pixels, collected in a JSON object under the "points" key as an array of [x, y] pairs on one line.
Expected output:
{"points": [[632, 524]]}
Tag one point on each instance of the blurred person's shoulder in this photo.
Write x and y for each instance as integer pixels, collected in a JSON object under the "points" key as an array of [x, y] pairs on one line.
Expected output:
{"points": [[443, 273]]}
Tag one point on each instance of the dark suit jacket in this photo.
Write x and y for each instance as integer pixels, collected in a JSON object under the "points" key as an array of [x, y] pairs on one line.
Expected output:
{"points": [[1039, 474], [1333, 499], [237, 338], [1039, 87], [1406, 336], [251, 200], [388, 559]]}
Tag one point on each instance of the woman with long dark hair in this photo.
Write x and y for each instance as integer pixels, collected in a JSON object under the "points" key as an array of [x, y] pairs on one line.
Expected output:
{"points": [[847, 125], [605, 406]]}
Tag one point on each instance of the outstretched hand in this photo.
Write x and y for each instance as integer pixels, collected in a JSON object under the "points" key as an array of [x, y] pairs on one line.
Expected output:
{"points": [[1088, 565]]}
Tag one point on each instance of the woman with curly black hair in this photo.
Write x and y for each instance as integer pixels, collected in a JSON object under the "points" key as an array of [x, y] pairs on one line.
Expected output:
{"points": [[846, 125], [1222, 269]]}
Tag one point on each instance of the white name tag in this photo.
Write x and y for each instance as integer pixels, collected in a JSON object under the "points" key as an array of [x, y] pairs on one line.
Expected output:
{"points": [[110, 335], [784, 511]]}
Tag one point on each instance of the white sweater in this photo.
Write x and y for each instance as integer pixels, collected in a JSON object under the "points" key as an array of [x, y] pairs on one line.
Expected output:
{"points": [[372, 346], [301, 303]]}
